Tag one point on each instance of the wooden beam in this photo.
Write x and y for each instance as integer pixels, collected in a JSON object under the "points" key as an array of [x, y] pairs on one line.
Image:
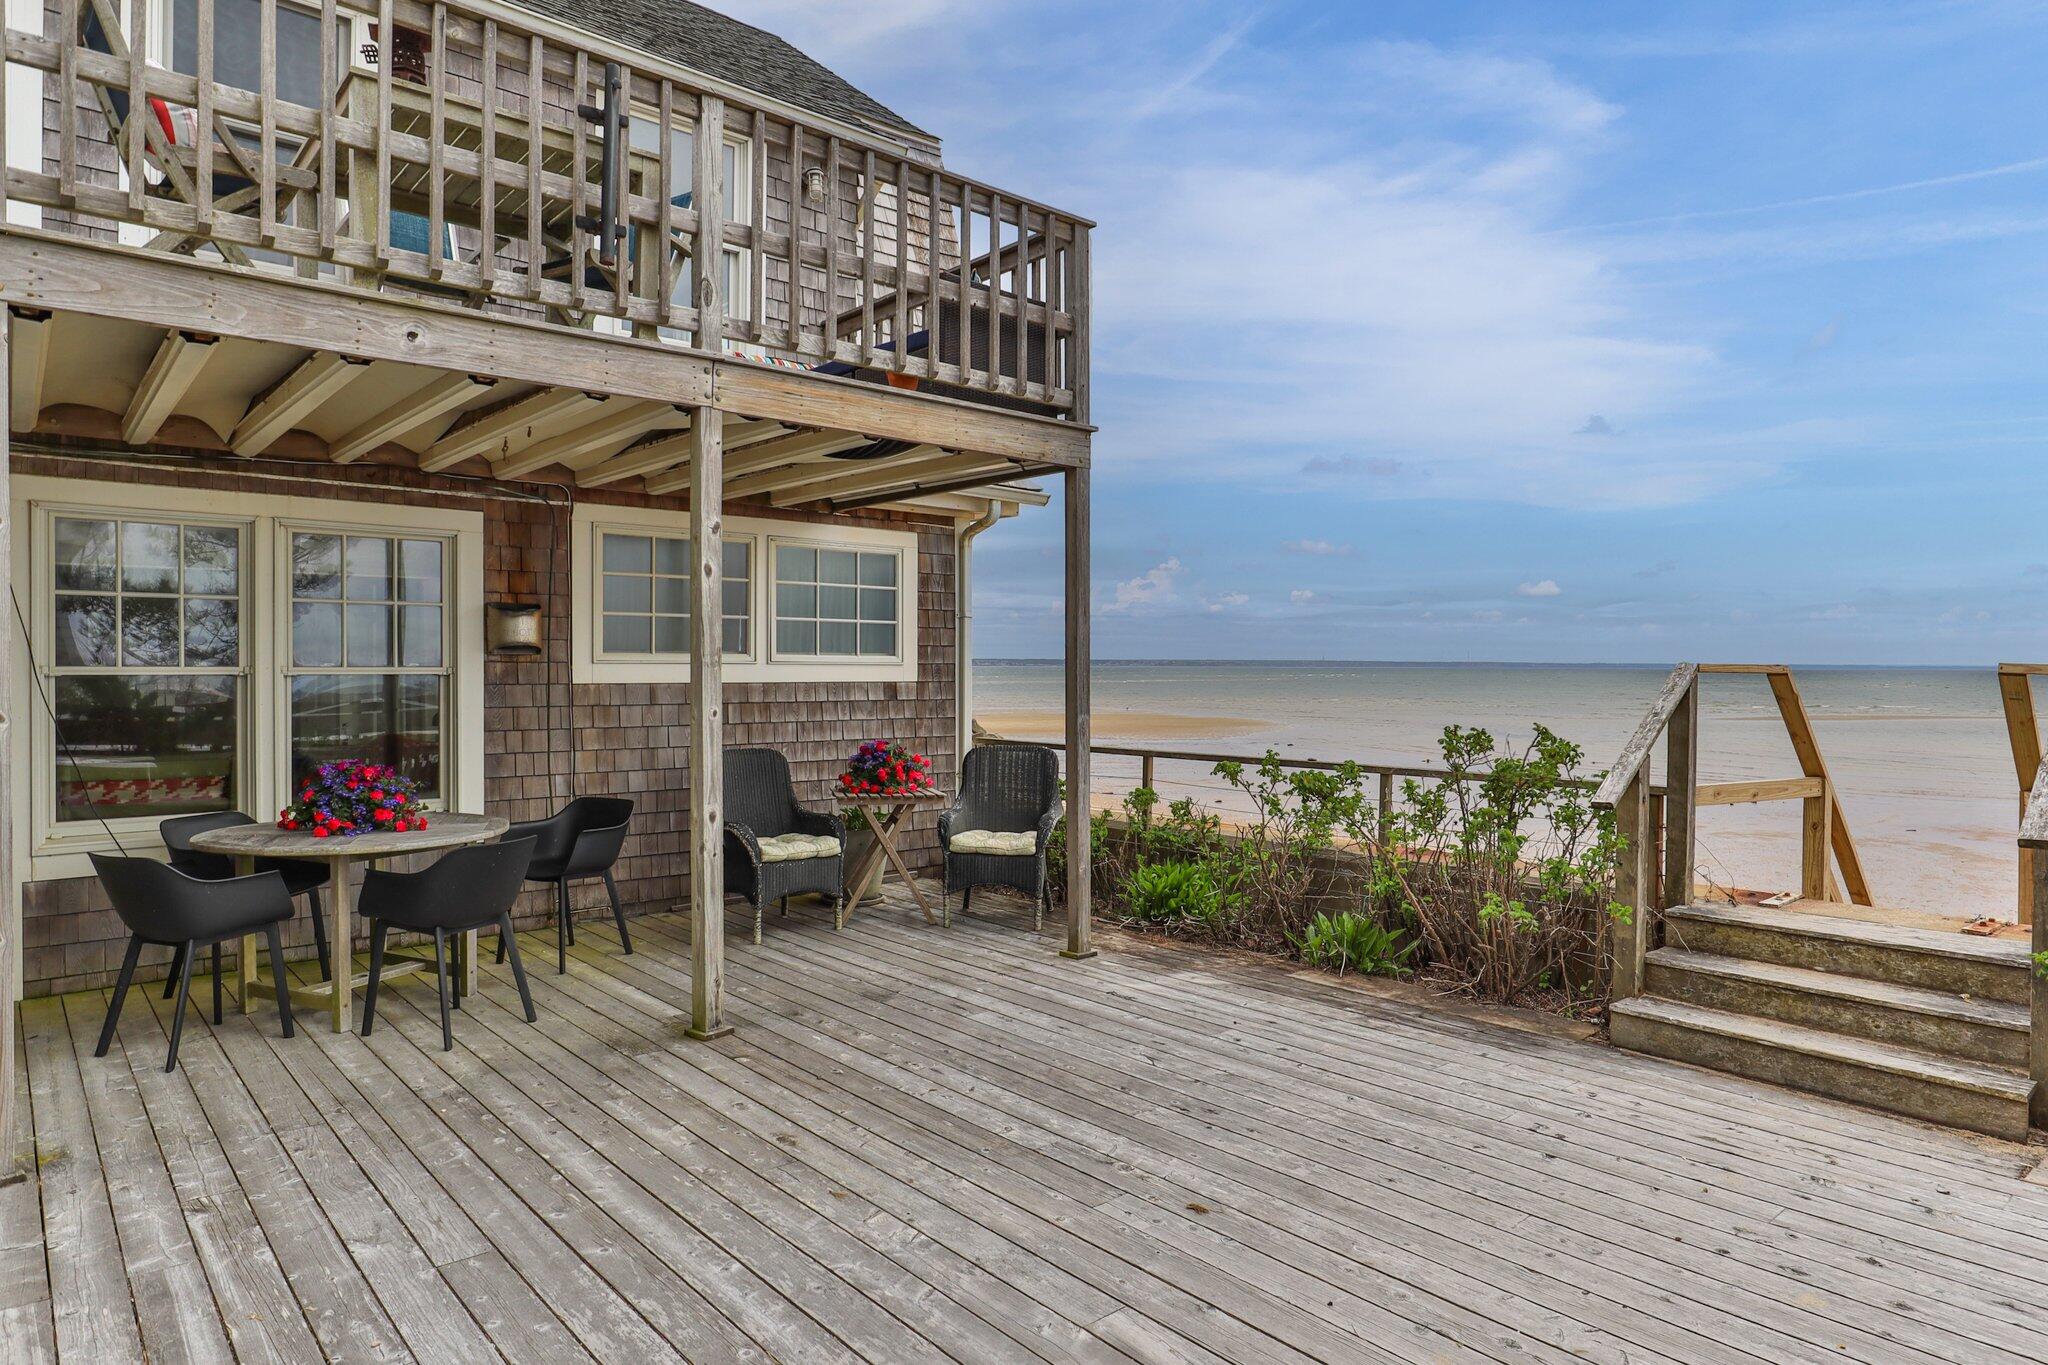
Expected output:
{"points": [[707, 730], [1080, 915], [791, 449], [894, 471], [648, 457], [741, 432], [616, 423], [1632, 877], [50, 270], [475, 433], [318, 378], [1756, 792], [930, 495], [1681, 800], [179, 359], [818, 469], [437, 396], [1807, 748], [2023, 732], [33, 330]]}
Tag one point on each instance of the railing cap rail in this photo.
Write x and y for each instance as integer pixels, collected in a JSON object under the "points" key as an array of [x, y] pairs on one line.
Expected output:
{"points": [[1636, 753]]}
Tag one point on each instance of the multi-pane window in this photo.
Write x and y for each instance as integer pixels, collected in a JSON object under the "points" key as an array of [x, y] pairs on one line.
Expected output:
{"points": [[835, 603], [644, 594], [644, 136], [369, 652], [146, 654]]}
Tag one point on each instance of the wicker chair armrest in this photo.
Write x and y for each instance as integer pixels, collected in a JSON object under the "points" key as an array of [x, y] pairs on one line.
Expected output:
{"points": [[1048, 822], [745, 838], [820, 822], [947, 819]]}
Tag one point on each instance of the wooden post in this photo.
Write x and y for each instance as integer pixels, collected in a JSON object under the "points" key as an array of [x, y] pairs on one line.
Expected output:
{"points": [[1813, 844], [707, 725], [707, 197], [1147, 772], [1681, 796], [1631, 885], [2016, 692], [10, 903], [1080, 937], [2038, 984]]}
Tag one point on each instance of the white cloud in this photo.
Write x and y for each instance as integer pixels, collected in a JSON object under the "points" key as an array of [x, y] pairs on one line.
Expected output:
{"points": [[1302, 596], [1546, 587], [1226, 601], [1149, 589], [1320, 549]]}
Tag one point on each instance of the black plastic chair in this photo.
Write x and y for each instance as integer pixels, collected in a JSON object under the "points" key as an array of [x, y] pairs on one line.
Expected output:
{"points": [[1011, 789], [578, 842], [301, 878], [471, 888], [760, 803], [164, 906]]}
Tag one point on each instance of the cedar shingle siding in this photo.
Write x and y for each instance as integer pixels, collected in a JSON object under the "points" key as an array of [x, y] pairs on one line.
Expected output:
{"points": [[547, 740]]}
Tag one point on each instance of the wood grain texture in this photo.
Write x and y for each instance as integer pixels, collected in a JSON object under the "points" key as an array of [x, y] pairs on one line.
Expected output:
{"points": [[947, 1145]]}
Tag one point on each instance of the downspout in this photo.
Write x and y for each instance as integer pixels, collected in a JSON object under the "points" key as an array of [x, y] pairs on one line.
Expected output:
{"points": [[963, 627]]}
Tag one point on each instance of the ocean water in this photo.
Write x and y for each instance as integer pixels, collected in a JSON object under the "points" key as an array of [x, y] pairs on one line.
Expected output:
{"points": [[1920, 755]]}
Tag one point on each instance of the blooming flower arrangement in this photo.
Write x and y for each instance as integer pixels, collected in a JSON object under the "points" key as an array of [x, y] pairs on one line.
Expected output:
{"points": [[880, 768], [354, 797]]}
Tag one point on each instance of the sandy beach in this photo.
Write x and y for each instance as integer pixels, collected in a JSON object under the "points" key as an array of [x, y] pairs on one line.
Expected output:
{"points": [[1919, 755]]}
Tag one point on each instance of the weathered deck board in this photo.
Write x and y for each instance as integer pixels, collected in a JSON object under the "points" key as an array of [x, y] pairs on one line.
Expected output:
{"points": [[954, 1146]]}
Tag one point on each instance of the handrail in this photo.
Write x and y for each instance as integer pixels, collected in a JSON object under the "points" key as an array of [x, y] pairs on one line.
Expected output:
{"points": [[2034, 827], [1636, 752], [375, 172]]}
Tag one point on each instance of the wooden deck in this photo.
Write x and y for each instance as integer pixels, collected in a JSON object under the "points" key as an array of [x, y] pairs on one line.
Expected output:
{"points": [[925, 1145]]}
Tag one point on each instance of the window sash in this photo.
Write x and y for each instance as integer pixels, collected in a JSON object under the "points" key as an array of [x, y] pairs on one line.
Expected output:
{"points": [[601, 610], [834, 602]]}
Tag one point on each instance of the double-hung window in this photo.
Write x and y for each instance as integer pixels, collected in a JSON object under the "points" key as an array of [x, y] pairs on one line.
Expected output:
{"points": [[736, 179], [644, 595], [145, 666], [836, 603], [369, 652]]}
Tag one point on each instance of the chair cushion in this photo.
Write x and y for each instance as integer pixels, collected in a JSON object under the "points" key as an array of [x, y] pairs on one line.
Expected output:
{"points": [[789, 848], [1001, 843]]}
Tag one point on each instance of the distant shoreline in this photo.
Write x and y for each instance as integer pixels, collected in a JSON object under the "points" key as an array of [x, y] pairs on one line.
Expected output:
{"points": [[1464, 663]]}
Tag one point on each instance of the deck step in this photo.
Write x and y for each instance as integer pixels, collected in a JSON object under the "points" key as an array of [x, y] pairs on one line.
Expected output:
{"points": [[1994, 1032], [1982, 968], [1961, 1094]]}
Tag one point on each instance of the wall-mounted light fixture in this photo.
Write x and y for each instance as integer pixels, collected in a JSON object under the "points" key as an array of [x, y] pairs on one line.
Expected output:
{"points": [[512, 627], [814, 184]]}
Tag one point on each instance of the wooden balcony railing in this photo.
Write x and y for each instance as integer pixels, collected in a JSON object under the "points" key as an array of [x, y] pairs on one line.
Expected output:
{"points": [[452, 160]]}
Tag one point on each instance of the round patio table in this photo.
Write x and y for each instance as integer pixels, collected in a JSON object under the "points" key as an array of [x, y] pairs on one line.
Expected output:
{"points": [[246, 843]]}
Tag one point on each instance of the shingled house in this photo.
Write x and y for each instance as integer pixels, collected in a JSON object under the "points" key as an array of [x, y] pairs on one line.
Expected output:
{"points": [[338, 331]]}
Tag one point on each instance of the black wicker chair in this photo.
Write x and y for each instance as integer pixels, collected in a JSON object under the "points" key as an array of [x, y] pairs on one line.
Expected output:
{"points": [[580, 841], [760, 803], [1004, 789], [301, 878], [471, 888], [164, 906]]}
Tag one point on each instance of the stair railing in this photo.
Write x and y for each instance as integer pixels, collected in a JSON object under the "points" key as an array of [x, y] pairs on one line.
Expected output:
{"points": [[1656, 873], [2034, 864], [1656, 867]]}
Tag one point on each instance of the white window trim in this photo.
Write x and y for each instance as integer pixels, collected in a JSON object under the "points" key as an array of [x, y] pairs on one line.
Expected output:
{"points": [[43, 850], [593, 584], [589, 520]]}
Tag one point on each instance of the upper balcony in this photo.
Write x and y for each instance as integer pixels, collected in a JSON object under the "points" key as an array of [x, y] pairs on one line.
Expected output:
{"points": [[466, 160]]}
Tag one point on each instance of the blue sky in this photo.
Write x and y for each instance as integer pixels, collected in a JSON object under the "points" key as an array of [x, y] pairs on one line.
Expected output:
{"points": [[1505, 331]]}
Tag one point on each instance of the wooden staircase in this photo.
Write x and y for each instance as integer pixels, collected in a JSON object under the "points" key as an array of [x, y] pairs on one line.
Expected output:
{"points": [[1928, 1024]]}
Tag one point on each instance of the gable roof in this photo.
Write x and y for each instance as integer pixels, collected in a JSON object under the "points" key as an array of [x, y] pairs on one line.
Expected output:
{"points": [[719, 46]]}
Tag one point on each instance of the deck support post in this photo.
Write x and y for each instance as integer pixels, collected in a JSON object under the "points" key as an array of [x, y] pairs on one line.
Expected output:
{"points": [[1632, 882], [1681, 796], [707, 727], [1080, 930], [2037, 1110], [10, 901]]}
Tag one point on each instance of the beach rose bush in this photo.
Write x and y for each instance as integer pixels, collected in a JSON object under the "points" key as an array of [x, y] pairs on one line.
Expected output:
{"points": [[353, 797]]}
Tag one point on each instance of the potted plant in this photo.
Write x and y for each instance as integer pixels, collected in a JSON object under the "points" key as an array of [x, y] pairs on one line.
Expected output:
{"points": [[878, 770], [352, 797]]}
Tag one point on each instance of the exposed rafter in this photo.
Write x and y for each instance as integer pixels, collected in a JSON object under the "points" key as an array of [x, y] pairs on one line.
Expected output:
{"points": [[179, 359], [783, 450], [741, 432], [619, 420], [921, 491], [30, 343], [318, 378], [921, 466], [478, 433], [441, 395], [648, 457]]}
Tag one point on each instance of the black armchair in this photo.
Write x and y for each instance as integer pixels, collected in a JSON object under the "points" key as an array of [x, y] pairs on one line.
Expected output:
{"points": [[301, 878], [470, 888], [1006, 790], [167, 907], [580, 841], [761, 811]]}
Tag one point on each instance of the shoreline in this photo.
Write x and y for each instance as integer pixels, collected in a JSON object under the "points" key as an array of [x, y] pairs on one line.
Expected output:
{"points": [[1110, 726]]}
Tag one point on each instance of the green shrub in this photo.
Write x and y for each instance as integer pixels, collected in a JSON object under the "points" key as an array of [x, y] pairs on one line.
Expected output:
{"points": [[1166, 893], [1351, 942]]}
